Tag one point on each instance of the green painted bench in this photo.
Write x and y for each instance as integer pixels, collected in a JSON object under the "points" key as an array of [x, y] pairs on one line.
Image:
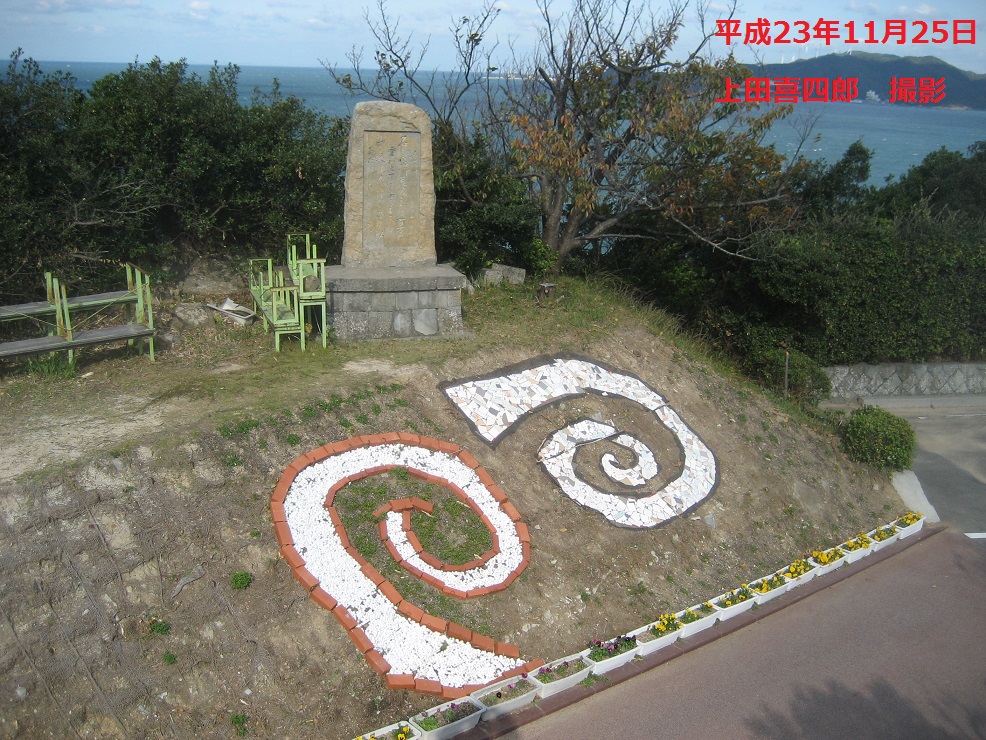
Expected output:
{"points": [[59, 308]]}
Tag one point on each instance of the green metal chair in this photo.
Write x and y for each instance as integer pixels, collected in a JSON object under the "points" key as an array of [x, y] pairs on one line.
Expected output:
{"points": [[307, 271], [276, 302]]}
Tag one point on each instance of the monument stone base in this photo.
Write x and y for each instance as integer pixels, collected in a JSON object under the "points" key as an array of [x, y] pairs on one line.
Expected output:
{"points": [[402, 302]]}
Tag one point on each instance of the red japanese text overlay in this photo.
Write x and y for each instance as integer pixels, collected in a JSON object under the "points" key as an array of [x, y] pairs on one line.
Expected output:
{"points": [[919, 90], [763, 31], [922, 90], [791, 90]]}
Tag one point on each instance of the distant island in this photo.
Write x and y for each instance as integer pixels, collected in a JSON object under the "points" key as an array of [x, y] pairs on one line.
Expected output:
{"points": [[874, 71]]}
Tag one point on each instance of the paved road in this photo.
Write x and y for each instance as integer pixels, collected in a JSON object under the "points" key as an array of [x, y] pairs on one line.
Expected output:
{"points": [[893, 647], [950, 461]]}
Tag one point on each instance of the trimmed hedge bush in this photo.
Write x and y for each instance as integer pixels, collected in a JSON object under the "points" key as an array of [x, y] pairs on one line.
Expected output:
{"points": [[879, 438]]}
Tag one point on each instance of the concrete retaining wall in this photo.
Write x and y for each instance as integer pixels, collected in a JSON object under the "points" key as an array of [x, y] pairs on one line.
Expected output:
{"points": [[917, 379]]}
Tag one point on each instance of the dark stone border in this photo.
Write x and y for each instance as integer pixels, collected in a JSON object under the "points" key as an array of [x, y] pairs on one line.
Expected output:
{"points": [[539, 360]]}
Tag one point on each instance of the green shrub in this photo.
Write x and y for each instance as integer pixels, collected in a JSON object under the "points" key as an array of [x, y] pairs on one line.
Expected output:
{"points": [[764, 358], [867, 287], [879, 438], [806, 380], [153, 165], [537, 257]]}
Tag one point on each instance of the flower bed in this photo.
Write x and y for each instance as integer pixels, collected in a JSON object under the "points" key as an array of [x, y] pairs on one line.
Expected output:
{"points": [[799, 572], [506, 696], [883, 536], [697, 618], [733, 602], [769, 588], [612, 654], [828, 560], [451, 718], [909, 524], [653, 637], [856, 548], [412, 649], [562, 674], [448, 720], [396, 731]]}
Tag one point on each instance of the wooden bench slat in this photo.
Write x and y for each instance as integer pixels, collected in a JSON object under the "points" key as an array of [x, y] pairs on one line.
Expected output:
{"points": [[43, 308], [102, 299], [80, 339], [111, 333], [32, 346], [26, 310]]}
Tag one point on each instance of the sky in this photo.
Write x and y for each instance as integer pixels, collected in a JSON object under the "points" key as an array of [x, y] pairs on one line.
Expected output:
{"points": [[304, 33]]}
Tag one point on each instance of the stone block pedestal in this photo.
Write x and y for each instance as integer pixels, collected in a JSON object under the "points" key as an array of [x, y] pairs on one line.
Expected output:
{"points": [[399, 302]]}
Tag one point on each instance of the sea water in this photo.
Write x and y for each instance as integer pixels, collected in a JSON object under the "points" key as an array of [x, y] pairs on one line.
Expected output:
{"points": [[899, 136]]}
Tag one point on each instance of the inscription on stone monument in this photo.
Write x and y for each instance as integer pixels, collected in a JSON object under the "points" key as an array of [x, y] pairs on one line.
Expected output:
{"points": [[390, 188], [391, 166]]}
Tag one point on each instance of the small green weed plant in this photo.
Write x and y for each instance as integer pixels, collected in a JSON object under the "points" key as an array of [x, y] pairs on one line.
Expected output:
{"points": [[54, 367], [158, 626], [239, 722], [453, 713]]}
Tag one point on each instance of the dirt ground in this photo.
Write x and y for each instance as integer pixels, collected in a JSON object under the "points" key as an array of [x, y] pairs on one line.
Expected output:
{"points": [[130, 494]]}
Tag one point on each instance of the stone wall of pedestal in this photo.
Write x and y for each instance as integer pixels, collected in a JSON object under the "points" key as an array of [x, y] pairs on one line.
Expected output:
{"points": [[404, 303]]}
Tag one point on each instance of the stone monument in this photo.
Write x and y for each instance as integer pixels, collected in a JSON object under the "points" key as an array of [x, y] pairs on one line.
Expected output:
{"points": [[389, 283]]}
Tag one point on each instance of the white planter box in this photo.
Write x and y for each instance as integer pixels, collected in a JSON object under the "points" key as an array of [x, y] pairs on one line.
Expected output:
{"points": [[828, 567], [877, 545], [762, 598], [647, 646], [453, 729], [509, 705], [703, 622], [853, 555], [728, 612], [802, 579], [413, 732], [550, 688], [911, 529], [608, 664]]}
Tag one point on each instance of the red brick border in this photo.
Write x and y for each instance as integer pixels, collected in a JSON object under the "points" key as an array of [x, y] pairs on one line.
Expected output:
{"points": [[321, 597], [405, 506]]}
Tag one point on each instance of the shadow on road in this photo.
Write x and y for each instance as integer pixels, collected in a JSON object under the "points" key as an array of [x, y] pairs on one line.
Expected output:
{"points": [[837, 711]]}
